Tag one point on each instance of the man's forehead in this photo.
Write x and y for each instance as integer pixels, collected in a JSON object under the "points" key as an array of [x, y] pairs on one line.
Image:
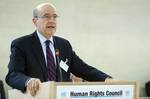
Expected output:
{"points": [[47, 12]]}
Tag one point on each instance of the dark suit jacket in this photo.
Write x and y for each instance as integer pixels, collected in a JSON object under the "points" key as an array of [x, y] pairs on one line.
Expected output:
{"points": [[2, 91], [27, 60], [147, 88]]}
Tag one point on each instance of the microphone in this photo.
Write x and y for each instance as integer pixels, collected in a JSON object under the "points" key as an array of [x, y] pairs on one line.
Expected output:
{"points": [[57, 61]]}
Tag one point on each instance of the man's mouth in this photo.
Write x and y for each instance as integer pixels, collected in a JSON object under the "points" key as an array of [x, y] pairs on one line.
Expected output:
{"points": [[50, 27]]}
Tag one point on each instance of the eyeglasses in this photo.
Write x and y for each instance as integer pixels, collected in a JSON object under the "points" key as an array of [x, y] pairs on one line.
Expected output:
{"points": [[47, 17]]}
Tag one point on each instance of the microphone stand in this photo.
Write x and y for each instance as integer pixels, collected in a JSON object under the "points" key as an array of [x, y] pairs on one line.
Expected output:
{"points": [[59, 68]]}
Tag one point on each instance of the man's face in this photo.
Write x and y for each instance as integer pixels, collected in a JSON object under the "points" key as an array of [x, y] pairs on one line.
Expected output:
{"points": [[46, 21]]}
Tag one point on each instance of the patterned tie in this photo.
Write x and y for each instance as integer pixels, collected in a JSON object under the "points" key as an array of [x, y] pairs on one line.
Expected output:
{"points": [[50, 62]]}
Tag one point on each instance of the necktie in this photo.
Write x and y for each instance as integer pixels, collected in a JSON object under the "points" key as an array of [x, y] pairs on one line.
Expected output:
{"points": [[50, 62]]}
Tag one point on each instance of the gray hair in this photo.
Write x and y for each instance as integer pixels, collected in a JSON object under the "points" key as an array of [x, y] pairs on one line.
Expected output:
{"points": [[35, 10], [35, 13]]}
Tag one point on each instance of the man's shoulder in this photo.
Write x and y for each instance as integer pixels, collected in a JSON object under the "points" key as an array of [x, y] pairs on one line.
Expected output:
{"points": [[23, 39], [60, 39]]}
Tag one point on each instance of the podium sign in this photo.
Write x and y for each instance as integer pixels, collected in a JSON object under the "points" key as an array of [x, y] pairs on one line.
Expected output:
{"points": [[97, 90]]}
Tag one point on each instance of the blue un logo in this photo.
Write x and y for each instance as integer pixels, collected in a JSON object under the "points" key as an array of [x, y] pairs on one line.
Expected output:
{"points": [[63, 94]]}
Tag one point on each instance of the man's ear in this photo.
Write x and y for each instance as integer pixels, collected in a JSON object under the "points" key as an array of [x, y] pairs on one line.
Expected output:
{"points": [[34, 21]]}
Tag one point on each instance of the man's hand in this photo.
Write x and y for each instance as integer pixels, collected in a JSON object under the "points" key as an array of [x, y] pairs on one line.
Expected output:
{"points": [[33, 86], [75, 78]]}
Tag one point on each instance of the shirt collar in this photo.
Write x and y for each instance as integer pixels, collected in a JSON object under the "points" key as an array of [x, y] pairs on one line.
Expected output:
{"points": [[43, 39]]}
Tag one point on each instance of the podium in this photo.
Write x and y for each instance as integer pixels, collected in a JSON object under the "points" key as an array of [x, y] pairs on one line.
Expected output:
{"points": [[81, 90]]}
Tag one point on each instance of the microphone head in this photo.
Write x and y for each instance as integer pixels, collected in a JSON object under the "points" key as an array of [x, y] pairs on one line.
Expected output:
{"points": [[57, 52]]}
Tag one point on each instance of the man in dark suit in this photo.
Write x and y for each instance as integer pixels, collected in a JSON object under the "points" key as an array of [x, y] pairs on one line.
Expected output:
{"points": [[28, 64]]}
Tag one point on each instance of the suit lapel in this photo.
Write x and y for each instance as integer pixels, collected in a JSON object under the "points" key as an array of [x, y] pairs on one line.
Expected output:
{"points": [[38, 52], [55, 43]]}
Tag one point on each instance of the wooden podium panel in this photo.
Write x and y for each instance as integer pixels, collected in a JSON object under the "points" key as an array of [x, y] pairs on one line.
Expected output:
{"points": [[81, 90], [45, 92]]}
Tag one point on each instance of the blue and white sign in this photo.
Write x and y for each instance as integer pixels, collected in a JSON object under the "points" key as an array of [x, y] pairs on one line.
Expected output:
{"points": [[95, 92]]}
